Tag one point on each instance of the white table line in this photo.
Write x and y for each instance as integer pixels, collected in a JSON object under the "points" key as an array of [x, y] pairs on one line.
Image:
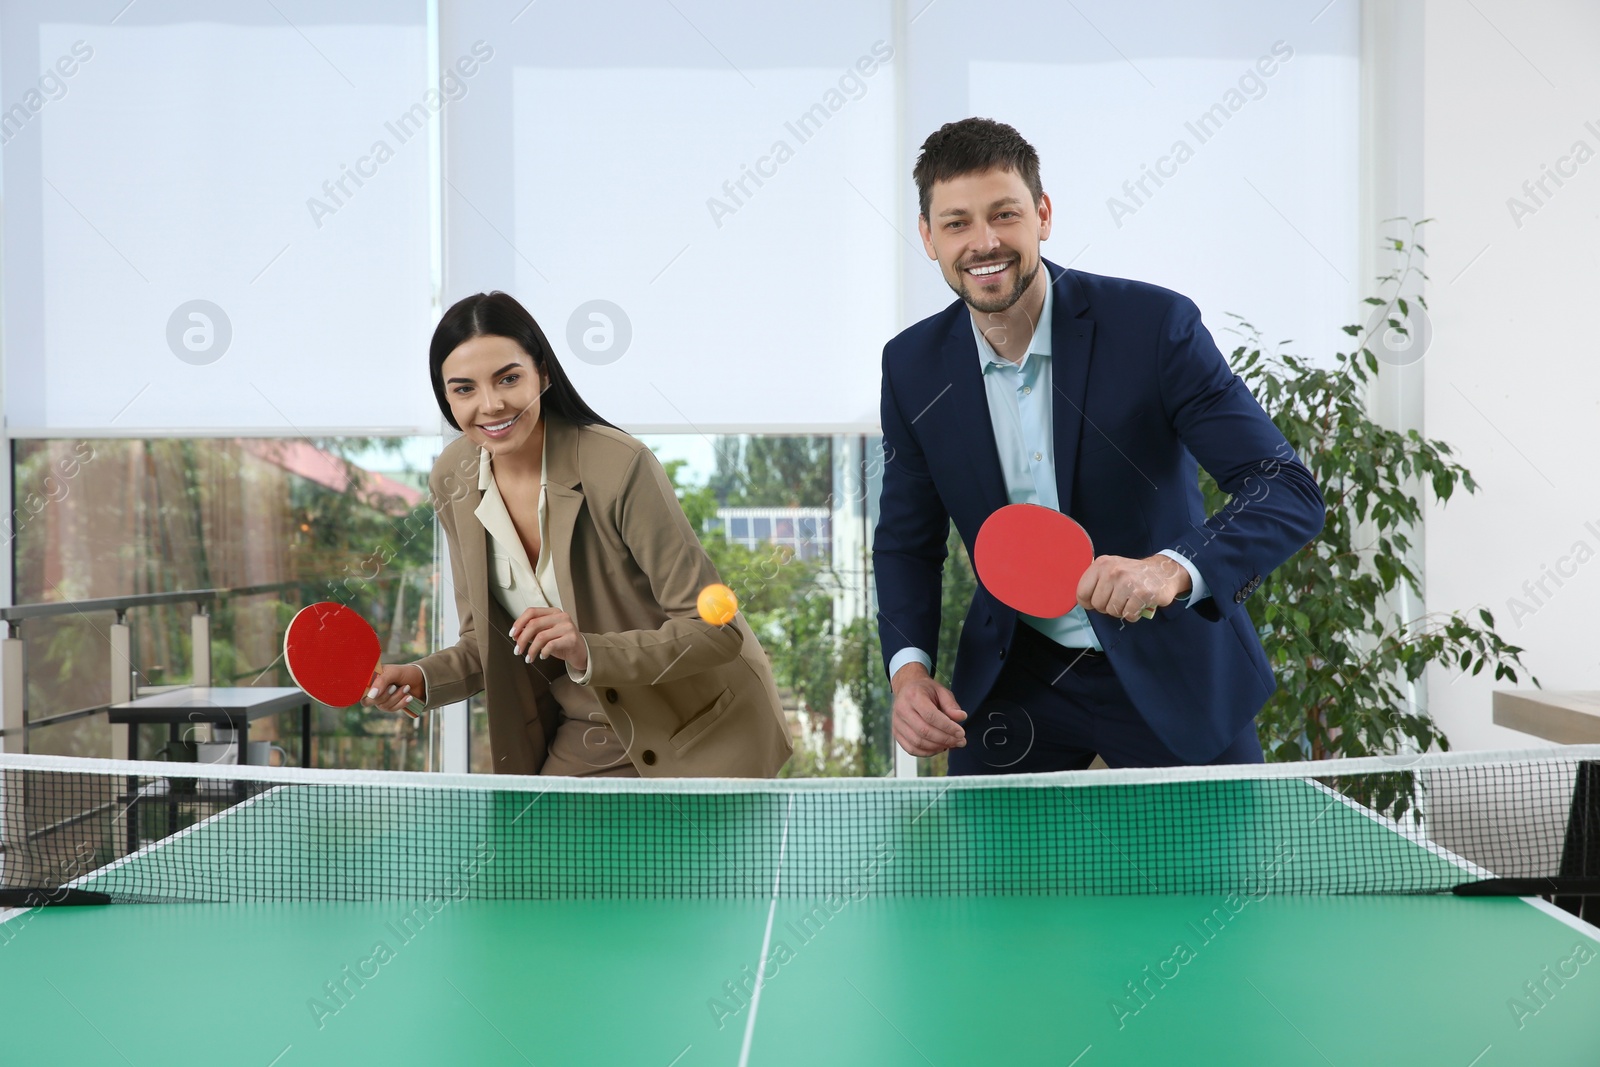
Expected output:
{"points": [[766, 940]]}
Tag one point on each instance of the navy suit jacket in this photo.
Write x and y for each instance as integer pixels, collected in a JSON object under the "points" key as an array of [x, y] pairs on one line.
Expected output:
{"points": [[1142, 396]]}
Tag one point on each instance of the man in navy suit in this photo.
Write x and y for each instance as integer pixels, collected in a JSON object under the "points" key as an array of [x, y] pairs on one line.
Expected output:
{"points": [[1099, 397]]}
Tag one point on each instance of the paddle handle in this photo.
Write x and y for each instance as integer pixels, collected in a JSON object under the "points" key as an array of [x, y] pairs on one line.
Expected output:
{"points": [[414, 708]]}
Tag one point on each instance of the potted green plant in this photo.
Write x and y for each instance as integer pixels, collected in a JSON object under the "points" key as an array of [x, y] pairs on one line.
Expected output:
{"points": [[1338, 645]]}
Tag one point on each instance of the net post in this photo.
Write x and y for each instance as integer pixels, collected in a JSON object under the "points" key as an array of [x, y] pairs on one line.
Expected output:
{"points": [[1580, 850]]}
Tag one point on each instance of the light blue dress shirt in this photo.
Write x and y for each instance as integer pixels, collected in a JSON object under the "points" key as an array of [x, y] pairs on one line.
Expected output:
{"points": [[1020, 399]]}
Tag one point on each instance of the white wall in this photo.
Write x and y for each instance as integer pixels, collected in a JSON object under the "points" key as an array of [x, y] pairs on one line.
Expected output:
{"points": [[1512, 380]]}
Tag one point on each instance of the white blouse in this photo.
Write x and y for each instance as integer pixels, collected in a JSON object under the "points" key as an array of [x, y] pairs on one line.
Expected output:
{"points": [[517, 584]]}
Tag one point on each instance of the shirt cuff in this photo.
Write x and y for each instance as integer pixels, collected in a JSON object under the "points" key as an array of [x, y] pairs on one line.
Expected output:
{"points": [[427, 686], [909, 655], [583, 679], [1198, 590]]}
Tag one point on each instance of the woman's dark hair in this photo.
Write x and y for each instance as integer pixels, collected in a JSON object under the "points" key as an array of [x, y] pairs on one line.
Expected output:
{"points": [[971, 146], [498, 314]]}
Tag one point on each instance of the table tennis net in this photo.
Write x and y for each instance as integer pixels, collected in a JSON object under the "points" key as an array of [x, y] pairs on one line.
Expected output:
{"points": [[161, 832]]}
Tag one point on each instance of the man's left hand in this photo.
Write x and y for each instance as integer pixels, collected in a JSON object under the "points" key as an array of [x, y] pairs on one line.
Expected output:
{"points": [[1124, 588]]}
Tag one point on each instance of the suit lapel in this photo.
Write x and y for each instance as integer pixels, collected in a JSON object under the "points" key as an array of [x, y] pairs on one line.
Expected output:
{"points": [[970, 408], [1071, 342], [563, 497], [474, 549], [563, 504]]}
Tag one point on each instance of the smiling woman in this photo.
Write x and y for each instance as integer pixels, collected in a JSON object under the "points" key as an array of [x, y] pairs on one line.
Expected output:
{"points": [[576, 579]]}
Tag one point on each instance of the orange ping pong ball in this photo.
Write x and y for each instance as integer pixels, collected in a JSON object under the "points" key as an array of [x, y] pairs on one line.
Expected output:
{"points": [[717, 604]]}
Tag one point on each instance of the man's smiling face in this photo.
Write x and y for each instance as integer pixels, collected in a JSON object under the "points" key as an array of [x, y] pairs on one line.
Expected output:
{"points": [[985, 231]]}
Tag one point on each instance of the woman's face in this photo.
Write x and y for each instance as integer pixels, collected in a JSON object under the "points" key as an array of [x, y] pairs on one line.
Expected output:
{"points": [[494, 392]]}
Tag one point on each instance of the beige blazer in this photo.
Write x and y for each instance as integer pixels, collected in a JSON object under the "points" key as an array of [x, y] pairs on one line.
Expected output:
{"points": [[685, 697]]}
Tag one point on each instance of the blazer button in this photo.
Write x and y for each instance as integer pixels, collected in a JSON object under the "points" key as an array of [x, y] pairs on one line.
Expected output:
{"points": [[1238, 598], [649, 757], [611, 696], [1002, 653]]}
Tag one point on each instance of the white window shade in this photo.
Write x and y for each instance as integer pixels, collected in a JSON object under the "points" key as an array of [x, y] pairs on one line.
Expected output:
{"points": [[1260, 219], [1259, 213], [182, 162], [706, 204], [622, 174]]}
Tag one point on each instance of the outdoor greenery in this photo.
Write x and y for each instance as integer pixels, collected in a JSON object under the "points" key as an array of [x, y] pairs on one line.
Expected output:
{"points": [[773, 472]]}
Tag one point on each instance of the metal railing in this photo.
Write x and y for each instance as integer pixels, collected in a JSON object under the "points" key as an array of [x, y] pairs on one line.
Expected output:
{"points": [[14, 719]]}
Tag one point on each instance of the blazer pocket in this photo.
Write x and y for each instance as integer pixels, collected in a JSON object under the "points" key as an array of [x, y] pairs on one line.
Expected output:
{"points": [[503, 577], [693, 730]]}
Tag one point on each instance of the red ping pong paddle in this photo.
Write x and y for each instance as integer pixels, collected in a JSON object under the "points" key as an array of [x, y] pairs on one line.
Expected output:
{"points": [[1032, 558], [332, 653]]}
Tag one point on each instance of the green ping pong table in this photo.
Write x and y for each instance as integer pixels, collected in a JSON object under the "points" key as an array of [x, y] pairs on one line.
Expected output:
{"points": [[1052, 921]]}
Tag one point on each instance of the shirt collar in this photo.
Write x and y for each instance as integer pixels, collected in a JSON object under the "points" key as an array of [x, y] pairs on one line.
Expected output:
{"points": [[1038, 346], [486, 471]]}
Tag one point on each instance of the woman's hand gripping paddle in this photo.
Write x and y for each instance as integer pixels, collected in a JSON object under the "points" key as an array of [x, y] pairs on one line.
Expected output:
{"points": [[333, 653]]}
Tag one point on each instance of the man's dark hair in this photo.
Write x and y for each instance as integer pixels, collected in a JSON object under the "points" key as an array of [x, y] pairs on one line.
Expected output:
{"points": [[971, 146]]}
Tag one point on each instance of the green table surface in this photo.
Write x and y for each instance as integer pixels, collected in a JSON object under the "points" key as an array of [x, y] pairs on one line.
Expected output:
{"points": [[886, 976], [1281, 980]]}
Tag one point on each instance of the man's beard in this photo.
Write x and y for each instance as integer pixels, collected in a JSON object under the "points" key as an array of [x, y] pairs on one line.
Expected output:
{"points": [[997, 303]]}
